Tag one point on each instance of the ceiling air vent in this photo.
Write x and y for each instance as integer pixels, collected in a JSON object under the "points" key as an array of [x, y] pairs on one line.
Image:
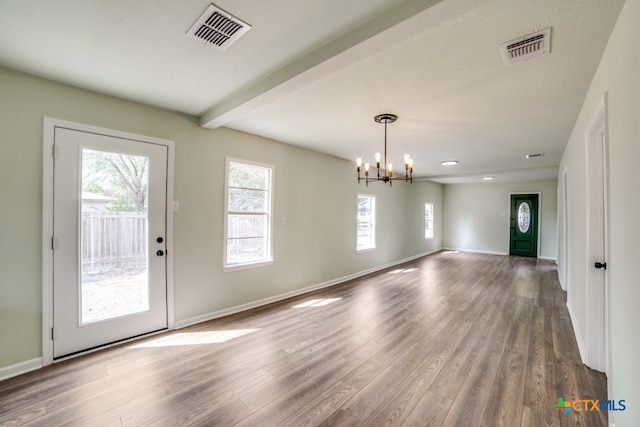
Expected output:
{"points": [[526, 48], [218, 28]]}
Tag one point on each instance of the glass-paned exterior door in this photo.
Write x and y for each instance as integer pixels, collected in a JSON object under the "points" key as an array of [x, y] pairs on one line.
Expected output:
{"points": [[109, 280]]}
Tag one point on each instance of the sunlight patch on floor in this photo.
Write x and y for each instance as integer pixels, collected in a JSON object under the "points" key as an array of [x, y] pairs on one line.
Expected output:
{"points": [[402, 270], [320, 302], [195, 338]]}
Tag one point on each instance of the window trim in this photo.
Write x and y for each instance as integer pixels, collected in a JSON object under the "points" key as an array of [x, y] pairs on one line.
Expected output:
{"points": [[433, 225], [269, 260], [375, 243]]}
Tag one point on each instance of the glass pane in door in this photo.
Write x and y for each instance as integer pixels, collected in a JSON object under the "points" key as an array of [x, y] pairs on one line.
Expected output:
{"points": [[113, 233], [524, 217]]}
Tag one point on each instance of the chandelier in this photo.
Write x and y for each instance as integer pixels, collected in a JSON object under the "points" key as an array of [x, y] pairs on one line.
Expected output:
{"points": [[388, 169]]}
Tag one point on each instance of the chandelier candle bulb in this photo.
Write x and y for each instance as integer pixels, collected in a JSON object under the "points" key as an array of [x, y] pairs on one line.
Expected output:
{"points": [[359, 161]]}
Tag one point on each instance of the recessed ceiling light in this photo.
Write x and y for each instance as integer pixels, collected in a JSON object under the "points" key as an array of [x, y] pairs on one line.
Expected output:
{"points": [[488, 178], [449, 162], [533, 156]]}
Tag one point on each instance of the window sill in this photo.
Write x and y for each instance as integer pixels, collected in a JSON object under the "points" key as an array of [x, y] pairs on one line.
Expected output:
{"points": [[359, 251], [236, 267]]}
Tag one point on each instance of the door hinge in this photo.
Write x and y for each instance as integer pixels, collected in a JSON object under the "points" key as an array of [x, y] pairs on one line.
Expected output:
{"points": [[54, 244], [54, 334], [54, 152]]}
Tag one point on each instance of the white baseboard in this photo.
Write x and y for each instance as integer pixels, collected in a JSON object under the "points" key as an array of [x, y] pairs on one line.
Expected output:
{"points": [[576, 331], [20, 368], [179, 324], [476, 251]]}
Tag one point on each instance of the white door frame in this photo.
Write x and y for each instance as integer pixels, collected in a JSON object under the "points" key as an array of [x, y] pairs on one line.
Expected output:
{"points": [[565, 231], [597, 280], [49, 125]]}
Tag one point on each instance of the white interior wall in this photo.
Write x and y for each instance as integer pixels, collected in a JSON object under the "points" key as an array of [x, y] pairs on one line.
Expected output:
{"points": [[317, 194], [617, 75], [477, 215]]}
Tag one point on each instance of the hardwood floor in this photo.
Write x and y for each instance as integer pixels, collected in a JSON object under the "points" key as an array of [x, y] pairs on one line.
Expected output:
{"points": [[452, 339]]}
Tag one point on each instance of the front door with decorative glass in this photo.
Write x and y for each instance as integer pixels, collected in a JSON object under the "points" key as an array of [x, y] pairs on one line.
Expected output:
{"points": [[524, 225]]}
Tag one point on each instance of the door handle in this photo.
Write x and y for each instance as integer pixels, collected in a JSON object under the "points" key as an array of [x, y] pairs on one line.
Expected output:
{"points": [[600, 265], [160, 253]]}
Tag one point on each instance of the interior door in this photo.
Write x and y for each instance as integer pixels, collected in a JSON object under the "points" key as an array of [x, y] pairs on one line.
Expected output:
{"points": [[524, 225], [596, 278], [109, 226]]}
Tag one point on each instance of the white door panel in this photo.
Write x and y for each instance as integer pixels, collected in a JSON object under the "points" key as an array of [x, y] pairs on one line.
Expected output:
{"points": [[109, 224], [597, 293]]}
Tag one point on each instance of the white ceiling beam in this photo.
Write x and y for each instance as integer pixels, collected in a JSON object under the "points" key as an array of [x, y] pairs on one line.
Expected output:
{"points": [[338, 54]]}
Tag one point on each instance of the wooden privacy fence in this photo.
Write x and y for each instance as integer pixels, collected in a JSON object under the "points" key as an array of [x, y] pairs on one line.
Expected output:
{"points": [[113, 240]]}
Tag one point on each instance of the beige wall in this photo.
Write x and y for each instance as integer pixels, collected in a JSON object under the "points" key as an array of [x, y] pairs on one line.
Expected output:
{"points": [[317, 194], [617, 75], [477, 215]]}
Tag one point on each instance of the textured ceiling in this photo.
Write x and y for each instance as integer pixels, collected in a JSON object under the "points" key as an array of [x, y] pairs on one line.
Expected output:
{"points": [[314, 73]]}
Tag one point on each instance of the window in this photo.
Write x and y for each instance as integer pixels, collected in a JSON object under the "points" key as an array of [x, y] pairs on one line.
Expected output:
{"points": [[366, 222], [524, 217], [428, 220], [248, 214]]}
